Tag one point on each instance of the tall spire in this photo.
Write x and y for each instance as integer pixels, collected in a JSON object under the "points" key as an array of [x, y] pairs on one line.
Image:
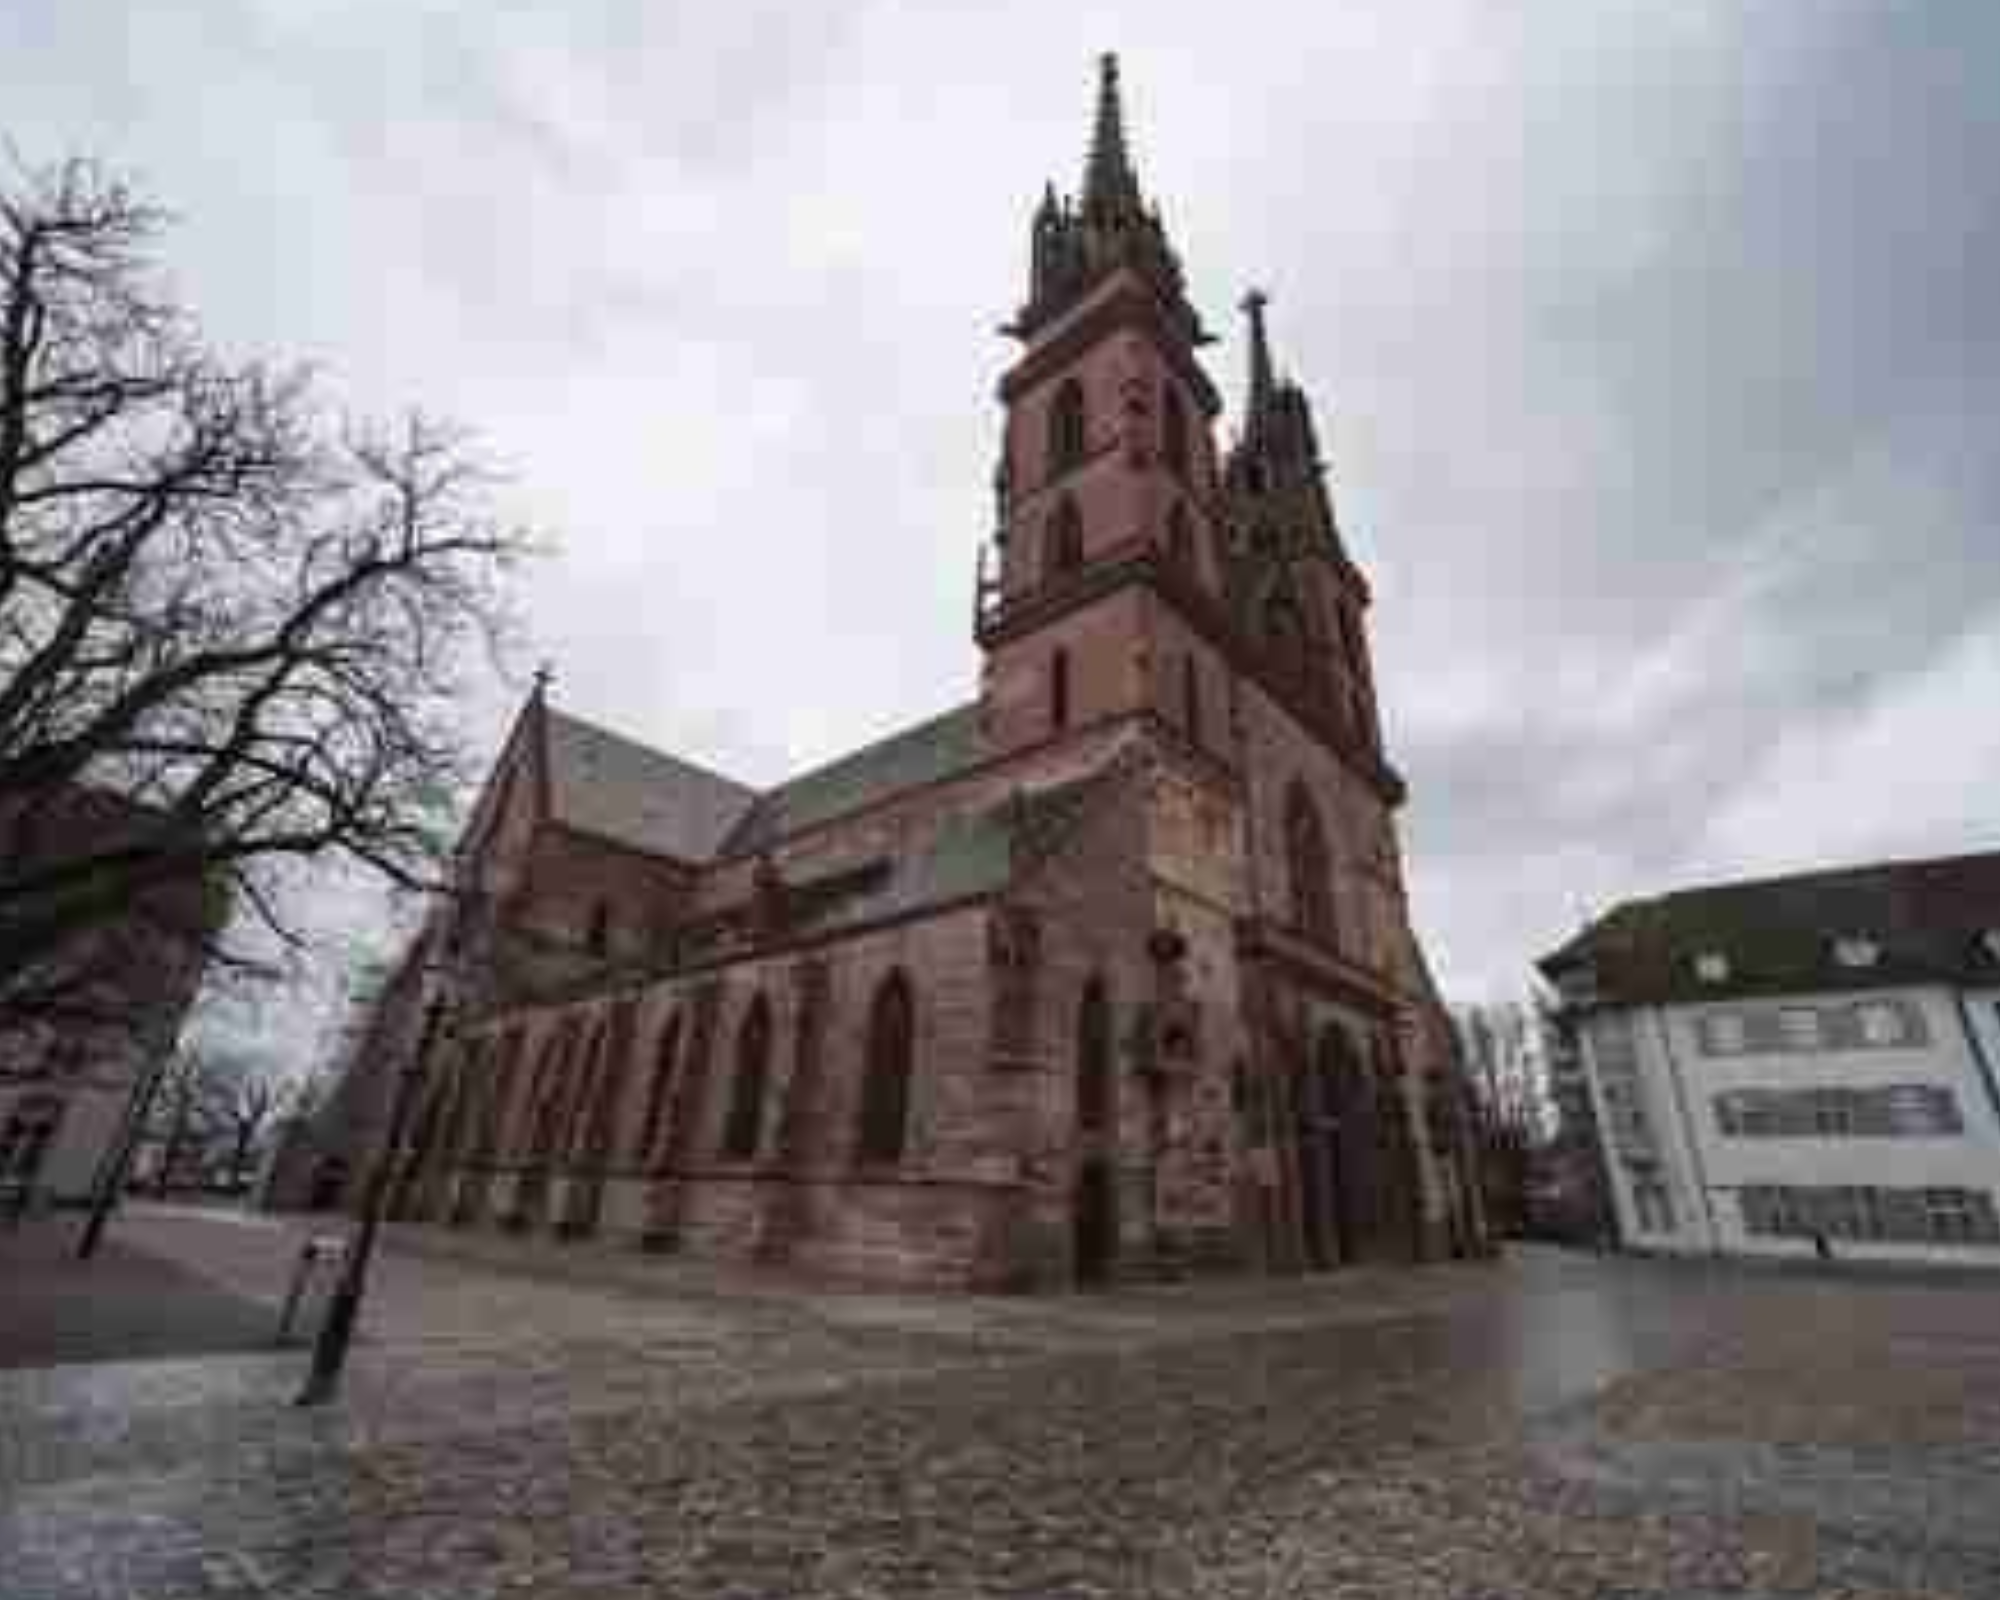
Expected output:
{"points": [[1073, 246], [1110, 186], [1263, 380]]}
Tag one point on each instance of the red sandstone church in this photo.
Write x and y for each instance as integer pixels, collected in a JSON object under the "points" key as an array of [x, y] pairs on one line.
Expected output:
{"points": [[1106, 972]]}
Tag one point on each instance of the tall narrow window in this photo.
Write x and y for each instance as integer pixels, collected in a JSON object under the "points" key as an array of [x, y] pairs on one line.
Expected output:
{"points": [[1285, 634], [1191, 698], [1059, 691], [665, 1058], [1068, 428], [1093, 1059], [1180, 540], [1174, 431], [885, 1086], [1063, 540], [1308, 864], [600, 928], [744, 1122]]}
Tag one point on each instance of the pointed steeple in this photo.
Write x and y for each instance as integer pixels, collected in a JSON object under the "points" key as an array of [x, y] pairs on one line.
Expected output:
{"points": [[1110, 186], [1072, 245], [1276, 456], [1263, 378]]}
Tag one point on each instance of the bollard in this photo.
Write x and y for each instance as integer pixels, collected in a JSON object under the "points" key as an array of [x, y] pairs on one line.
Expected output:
{"points": [[320, 1249]]}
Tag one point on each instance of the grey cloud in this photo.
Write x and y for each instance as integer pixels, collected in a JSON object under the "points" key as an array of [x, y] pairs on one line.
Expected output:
{"points": [[1652, 346]]}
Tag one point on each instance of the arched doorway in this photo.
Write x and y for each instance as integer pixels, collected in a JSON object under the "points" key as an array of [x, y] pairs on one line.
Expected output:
{"points": [[1361, 1151], [1094, 1204]]}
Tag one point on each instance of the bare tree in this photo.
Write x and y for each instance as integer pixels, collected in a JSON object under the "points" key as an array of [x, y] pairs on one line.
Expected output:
{"points": [[184, 1117], [234, 632]]}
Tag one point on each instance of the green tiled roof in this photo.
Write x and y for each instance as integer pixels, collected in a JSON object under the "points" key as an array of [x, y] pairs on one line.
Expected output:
{"points": [[915, 756], [1927, 918]]}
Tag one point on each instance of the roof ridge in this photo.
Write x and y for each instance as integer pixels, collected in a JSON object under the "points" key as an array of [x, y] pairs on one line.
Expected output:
{"points": [[908, 730], [1888, 866]]}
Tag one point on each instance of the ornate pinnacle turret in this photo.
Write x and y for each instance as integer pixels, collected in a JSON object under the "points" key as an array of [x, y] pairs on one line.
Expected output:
{"points": [[1110, 186]]}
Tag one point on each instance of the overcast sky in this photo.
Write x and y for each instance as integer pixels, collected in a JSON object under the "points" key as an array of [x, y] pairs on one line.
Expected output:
{"points": [[1653, 345]]}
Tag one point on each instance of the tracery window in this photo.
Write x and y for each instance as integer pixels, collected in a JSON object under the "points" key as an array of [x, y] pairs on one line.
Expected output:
{"points": [[1174, 431], [885, 1086], [1094, 1096], [1285, 634], [1068, 430], [666, 1057], [1309, 865], [1063, 546], [744, 1121], [1180, 540]]}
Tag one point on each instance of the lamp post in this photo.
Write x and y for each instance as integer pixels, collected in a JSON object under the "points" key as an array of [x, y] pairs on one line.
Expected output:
{"points": [[336, 1331]]}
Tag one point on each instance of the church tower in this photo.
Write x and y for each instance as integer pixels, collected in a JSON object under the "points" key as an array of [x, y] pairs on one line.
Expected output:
{"points": [[1107, 464]]}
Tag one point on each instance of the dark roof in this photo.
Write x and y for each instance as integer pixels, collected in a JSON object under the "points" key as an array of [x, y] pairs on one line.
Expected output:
{"points": [[615, 788], [905, 760], [1927, 918]]}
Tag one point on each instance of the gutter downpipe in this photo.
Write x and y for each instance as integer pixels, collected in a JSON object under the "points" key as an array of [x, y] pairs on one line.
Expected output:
{"points": [[1688, 1129]]}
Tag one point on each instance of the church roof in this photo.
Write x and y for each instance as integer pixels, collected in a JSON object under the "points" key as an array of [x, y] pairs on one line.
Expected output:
{"points": [[604, 784], [1927, 921], [907, 759]]}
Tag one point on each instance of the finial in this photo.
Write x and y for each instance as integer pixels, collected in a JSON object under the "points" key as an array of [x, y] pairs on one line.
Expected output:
{"points": [[545, 674]]}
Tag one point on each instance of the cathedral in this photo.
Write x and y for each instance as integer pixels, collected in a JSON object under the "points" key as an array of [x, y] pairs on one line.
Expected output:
{"points": [[1105, 973]]}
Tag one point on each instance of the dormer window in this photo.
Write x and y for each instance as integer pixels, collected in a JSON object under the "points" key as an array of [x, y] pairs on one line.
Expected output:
{"points": [[1712, 966], [1854, 950]]}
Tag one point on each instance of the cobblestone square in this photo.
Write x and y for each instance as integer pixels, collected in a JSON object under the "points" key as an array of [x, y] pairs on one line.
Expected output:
{"points": [[570, 1422]]}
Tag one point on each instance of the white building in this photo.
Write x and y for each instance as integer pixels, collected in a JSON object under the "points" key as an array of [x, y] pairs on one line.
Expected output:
{"points": [[1800, 1064]]}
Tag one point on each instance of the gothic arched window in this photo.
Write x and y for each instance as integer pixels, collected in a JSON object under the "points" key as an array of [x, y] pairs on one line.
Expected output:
{"points": [[1308, 865], [1063, 542], [1285, 634], [744, 1123], [885, 1085], [666, 1056], [1180, 539], [1174, 431], [1094, 1087], [1068, 431], [1191, 698], [1059, 691], [551, 1090]]}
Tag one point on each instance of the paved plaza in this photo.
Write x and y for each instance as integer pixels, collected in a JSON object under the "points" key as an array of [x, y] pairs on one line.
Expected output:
{"points": [[579, 1422]]}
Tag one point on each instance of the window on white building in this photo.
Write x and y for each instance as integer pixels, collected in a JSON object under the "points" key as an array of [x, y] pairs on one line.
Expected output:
{"points": [[1960, 1215], [1887, 1024], [1722, 1034], [1903, 1216], [1801, 1027]]}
